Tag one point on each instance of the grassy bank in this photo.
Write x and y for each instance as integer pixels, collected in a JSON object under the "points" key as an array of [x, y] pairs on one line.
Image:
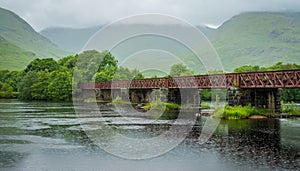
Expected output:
{"points": [[290, 108], [238, 112], [118, 100], [170, 110], [160, 104]]}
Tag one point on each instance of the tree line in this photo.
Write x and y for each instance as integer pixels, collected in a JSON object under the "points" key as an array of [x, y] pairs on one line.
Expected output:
{"points": [[47, 79]]}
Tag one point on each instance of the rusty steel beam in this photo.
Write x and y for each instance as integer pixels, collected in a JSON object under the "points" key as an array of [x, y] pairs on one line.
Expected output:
{"points": [[271, 79], [268, 79]]}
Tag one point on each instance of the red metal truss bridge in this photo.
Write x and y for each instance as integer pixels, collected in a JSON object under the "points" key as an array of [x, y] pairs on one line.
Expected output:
{"points": [[268, 79]]}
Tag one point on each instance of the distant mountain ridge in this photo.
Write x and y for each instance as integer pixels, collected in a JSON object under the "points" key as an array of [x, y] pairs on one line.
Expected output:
{"points": [[69, 39], [252, 38], [20, 35], [258, 38]]}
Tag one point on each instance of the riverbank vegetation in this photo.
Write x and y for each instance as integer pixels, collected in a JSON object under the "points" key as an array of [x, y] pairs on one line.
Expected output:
{"points": [[166, 110], [290, 108], [159, 104], [119, 100], [238, 112], [244, 112]]}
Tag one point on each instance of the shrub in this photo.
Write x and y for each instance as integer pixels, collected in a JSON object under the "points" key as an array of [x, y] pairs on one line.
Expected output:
{"points": [[238, 112], [159, 104], [290, 108], [118, 100]]}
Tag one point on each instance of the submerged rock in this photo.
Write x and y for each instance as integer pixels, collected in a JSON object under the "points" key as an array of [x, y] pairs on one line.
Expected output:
{"points": [[257, 117]]}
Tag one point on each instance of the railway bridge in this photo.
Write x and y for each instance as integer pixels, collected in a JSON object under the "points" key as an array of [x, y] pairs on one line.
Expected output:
{"points": [[260, 89]]}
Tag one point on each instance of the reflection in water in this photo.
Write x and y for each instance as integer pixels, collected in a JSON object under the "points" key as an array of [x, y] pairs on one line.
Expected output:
{"points": [[254, 143], [48, 136]]}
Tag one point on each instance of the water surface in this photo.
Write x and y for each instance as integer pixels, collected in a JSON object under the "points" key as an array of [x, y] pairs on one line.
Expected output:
{"points": [[48, 136]]}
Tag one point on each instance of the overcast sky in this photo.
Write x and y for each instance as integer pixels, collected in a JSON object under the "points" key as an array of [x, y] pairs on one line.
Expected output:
{"points": [[85, 13]]}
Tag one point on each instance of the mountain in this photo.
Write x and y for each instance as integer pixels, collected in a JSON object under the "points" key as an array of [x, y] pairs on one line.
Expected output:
{"points": [[19, 33], [258, 38], [253, 38], [69, 39], [13, 57], [74, 39]]}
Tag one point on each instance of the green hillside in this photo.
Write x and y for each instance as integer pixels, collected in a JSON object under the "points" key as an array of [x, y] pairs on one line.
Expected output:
{"points": [[254, 38], [13, 57], [16, 31], [258, 39]]}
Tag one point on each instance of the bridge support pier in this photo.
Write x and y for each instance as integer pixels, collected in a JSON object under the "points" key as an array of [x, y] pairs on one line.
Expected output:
{"points": [[233, 96], [268, 98], [190, 96], [108, 95], [174, 96], [140, 95], [161, 94], [88, 93]]}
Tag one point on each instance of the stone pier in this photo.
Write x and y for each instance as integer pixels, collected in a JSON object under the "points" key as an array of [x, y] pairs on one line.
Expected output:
{"points": [[267, 98], [140, 95], [86, 94], [179, 96], [183, 96]]}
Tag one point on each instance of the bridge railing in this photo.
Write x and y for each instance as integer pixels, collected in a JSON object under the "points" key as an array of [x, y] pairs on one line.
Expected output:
{"points": [[269, 79], [272, 79]]}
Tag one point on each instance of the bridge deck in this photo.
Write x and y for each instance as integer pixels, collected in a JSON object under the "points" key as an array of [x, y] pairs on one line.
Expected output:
{"points": [[269, 79]]}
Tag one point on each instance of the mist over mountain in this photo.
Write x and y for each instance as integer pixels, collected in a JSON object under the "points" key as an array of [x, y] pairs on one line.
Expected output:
{"points": [[253, 38], [69, 39]]}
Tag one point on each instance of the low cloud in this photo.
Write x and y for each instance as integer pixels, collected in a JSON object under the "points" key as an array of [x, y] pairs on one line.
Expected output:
{"points": [[77, 13]]}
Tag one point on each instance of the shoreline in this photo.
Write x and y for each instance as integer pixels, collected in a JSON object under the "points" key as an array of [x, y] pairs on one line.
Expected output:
{"points": [[263, 116]]}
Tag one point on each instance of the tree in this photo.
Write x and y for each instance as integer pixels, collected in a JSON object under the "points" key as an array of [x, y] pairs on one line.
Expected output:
{"points": [[6, 91], [215, 72], [25, 86], [123, 73], [68, 62], [247, 68], [48, 64], [280, 66], [109, 61], [12, 78], [46, 79], [136, 74], [39, 88], [93, 65], [106, 74], [180, 70], [60, 87]]}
